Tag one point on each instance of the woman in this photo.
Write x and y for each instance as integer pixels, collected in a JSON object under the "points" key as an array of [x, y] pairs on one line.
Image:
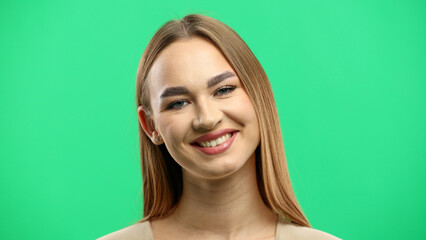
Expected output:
{"points": [[212, 156]]}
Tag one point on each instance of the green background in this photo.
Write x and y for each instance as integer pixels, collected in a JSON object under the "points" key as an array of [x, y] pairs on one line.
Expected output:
{"points": [[349, 82]]}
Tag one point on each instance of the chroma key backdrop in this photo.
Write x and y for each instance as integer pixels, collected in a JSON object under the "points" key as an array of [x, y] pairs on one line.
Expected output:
{"points": [[349, 79]]}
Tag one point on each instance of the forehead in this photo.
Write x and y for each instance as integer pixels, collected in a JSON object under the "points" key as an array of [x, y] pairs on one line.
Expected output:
{"points": [[186, 62]]}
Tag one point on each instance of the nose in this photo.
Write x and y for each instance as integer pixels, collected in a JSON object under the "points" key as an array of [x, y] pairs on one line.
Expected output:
{"points": [[207, 116]]}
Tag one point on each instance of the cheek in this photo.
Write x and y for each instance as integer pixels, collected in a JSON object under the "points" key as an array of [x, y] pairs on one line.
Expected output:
{"points": [[245, 115], [243, 111], [168, 129], [173, 130], [248, 108]]}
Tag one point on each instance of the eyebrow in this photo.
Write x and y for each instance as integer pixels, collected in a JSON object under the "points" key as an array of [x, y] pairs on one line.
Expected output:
{"points": [[219, 78], [174, 91]]}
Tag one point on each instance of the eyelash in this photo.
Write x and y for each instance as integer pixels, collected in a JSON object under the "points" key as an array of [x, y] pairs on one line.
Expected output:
{"points": [[229, 89]]}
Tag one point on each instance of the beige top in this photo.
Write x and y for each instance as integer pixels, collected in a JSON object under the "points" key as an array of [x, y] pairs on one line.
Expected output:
{"points": [[284, 231]]}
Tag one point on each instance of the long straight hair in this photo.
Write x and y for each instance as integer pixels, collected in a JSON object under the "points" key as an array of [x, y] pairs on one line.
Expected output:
{"points": [[162, 176]]}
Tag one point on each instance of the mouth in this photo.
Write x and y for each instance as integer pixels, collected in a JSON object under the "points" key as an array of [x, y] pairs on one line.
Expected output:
{"points": [[215, 143]]}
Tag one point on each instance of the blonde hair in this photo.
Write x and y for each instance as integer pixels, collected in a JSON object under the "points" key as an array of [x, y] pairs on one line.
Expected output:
{"points": [[162, 176]]}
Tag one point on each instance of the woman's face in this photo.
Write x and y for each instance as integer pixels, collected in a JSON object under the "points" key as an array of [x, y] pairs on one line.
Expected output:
{"points": [[201, 110]]}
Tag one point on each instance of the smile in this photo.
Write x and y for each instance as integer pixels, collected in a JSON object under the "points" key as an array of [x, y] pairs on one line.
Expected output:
{"points": [[217, 145], [215, 142]]}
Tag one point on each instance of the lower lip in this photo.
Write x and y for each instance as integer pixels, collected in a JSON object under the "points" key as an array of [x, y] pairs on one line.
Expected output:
{"points": [[218, 149]]}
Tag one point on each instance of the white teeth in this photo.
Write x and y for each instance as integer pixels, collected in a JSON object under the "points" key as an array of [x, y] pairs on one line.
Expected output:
{"points": [[214, 143]]}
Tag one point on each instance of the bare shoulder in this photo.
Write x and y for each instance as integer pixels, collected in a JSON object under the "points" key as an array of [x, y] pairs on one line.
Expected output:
{"points": [[293, 231], [137, 231]]}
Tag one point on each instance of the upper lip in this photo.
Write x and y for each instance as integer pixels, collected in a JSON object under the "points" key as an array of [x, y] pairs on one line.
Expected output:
{"points": [[214, 135]]}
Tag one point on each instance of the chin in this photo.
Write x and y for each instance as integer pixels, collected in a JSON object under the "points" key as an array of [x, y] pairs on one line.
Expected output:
{"points": [[221, 170]]}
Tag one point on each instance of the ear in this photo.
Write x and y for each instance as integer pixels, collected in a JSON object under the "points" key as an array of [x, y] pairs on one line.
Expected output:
{"points": [[148, 125]]}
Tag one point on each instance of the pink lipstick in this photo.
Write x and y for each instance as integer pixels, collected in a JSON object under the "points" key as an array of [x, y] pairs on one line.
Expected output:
{"points": [[215, 143]]}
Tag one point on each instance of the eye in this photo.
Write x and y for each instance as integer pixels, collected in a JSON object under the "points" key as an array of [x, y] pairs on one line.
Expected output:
{"points": [[225, 90], [177, 104]]}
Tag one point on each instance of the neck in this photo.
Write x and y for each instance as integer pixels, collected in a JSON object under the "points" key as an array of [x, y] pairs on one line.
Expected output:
{"points": [[225, 206]]}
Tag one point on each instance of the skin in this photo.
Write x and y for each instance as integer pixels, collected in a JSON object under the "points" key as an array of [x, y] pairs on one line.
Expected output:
{"points": [[220, 198]]}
